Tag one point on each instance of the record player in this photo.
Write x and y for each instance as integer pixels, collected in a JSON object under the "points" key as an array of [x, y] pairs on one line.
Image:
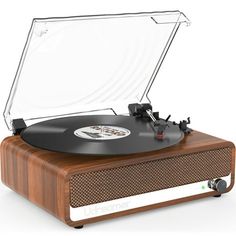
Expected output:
{"points": [[87, 145]]}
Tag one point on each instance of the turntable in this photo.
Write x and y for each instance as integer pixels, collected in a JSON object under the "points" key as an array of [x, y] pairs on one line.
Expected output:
{"points": [[87, 145]]}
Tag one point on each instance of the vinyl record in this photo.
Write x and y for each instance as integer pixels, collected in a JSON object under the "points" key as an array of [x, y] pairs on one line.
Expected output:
{"points": [[99, 135]]}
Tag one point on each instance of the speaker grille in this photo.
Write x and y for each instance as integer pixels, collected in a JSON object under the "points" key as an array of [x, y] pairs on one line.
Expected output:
{"points": [[109, 184]]}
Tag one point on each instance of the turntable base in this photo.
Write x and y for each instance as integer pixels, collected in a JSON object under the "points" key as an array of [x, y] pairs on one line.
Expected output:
{"points": [[63, 183]]}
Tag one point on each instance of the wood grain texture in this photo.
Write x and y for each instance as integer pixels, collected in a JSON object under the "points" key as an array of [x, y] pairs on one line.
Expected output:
{"points": [[43, 176]]}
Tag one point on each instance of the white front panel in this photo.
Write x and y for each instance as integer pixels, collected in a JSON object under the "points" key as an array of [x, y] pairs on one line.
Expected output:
{"points": [[122, 204]]}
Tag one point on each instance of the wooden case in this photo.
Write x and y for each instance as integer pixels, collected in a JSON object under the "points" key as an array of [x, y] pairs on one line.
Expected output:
{"points": [[44, 177]]}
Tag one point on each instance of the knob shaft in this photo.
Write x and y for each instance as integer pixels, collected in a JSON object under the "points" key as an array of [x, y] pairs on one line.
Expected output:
{"points": [[218, 185]]}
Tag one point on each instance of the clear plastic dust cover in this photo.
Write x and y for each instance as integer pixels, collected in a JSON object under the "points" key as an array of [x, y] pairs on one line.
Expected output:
{"points": [[72, 65]]}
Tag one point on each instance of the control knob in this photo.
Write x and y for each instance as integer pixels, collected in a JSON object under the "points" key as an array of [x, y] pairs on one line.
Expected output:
{"points": [[218, 185]]}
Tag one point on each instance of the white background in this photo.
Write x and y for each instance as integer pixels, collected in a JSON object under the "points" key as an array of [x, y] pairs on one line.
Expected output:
{"points": [[197, 79]]}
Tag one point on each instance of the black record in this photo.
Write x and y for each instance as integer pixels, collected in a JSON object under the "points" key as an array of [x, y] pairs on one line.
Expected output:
{"points": [[99, 135]]}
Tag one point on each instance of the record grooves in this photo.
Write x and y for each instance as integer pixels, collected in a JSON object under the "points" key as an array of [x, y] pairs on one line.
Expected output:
{"points": [[99, 135]]}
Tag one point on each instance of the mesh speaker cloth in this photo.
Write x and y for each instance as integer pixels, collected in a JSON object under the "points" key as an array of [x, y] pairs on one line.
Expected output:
{"points": [[109, 184]]}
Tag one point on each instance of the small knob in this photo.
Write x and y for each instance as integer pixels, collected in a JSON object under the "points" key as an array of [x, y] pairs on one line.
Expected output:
{"points": [[218, 185]]}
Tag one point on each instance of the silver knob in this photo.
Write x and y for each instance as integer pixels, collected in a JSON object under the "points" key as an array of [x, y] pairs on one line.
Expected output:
{"points": [[218, 185]]}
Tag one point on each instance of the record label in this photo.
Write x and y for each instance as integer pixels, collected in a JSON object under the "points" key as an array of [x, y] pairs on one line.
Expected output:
{"points": [[101, 132]]}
